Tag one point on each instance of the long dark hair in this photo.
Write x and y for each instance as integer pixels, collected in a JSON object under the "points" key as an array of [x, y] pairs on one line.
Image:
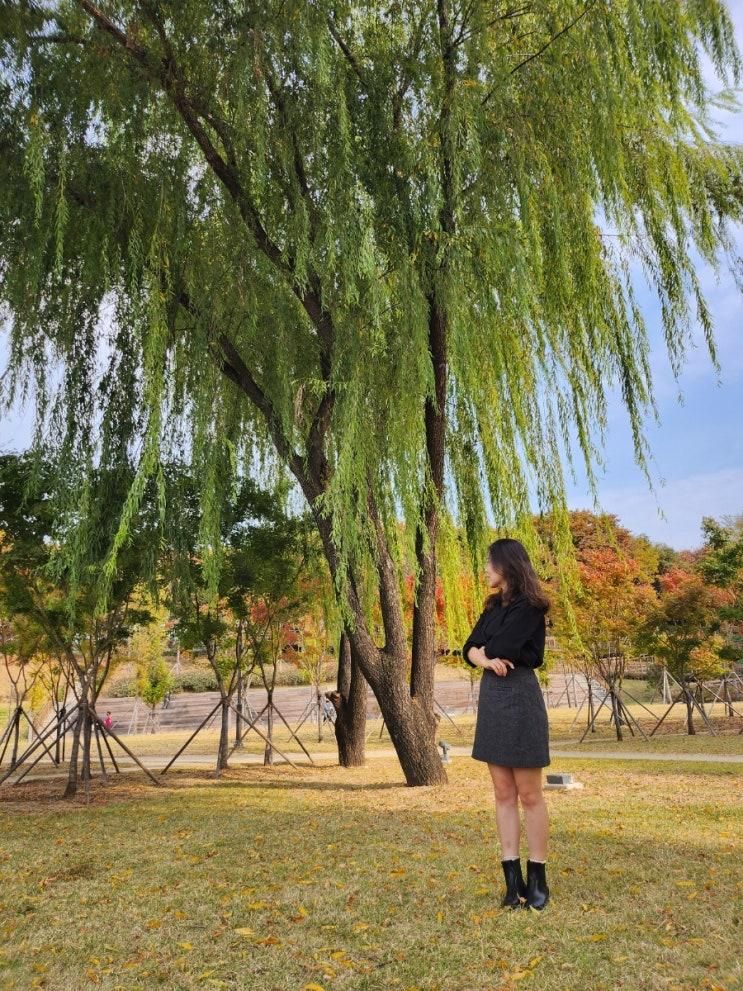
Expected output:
{"points": [[510, 558]]}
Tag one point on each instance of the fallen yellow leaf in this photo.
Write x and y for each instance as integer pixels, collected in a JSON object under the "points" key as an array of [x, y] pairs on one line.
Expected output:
{"points": [[269, 940]]}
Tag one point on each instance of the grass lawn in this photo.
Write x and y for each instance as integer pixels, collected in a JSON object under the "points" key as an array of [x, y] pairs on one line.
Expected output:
{"points": [[678, 743], [276, 879]]}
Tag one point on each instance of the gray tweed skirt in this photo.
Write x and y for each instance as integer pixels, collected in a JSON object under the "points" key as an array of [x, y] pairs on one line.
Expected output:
{"points": [[512, 728]]}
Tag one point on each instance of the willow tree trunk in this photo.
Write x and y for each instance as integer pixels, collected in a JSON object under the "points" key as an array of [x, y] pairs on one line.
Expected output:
{"points": [[349, 701], [410, 719]]}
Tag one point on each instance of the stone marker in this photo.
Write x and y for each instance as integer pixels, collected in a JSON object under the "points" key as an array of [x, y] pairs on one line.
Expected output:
{"points": [[561, 781]]}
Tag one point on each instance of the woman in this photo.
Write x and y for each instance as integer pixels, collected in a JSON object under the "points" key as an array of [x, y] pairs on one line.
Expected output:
{"points": [[512, 731]]}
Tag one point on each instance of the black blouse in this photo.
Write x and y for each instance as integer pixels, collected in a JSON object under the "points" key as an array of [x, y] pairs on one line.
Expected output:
{"points": [[515, 631]]}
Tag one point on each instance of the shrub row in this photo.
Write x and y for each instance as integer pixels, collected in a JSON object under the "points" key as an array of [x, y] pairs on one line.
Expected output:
{"points": [[205, 681]]}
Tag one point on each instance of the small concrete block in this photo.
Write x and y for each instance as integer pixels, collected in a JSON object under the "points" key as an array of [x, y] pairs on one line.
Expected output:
{"points": [[559, 778], [561, 782]]}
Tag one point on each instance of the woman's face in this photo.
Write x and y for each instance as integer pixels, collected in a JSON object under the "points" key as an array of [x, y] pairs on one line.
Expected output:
{"points": [[493, 576]]}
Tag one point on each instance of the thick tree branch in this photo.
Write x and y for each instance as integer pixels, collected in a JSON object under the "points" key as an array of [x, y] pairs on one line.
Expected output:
{"points": [[389, 590], [235, 369], [350, 57], [232, 365], [166, 73], [56, 38]]}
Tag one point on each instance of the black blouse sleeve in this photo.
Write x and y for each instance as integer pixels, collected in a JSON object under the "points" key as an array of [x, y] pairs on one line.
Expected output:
{"points": [[475, 639], [523, 622]]}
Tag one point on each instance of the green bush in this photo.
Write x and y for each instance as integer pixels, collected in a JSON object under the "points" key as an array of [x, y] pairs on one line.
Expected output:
{"points": [[205, 681], [195, 681], [297, 676], [121, 689]]}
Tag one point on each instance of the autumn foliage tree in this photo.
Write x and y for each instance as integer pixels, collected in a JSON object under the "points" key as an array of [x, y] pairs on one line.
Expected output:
{"points": [[721, 563], [683, 631], [41, 586], [616, 571]]}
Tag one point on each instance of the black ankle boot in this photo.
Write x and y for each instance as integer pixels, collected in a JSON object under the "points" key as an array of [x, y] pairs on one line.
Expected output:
{"points": [[537, 892], [515, 884]]}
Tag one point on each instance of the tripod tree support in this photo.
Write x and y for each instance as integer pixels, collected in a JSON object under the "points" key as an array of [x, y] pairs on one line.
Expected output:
{"points": [[63, 723], [689, 698], [265, 738], [206, 720], [35, 746], [13, 730]]}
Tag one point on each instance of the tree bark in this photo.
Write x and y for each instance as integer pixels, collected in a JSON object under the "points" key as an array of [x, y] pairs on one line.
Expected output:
{"points": [[349, 701], [71, 789], [224, 734], [410, 720], [617, 709], [424, 608], [16, 731], [87, 741], [691, 728], [239, 705]]}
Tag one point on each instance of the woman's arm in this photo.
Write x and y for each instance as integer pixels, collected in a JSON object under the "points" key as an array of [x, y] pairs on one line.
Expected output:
{"points": [[480, 656], [475, 639], [465, 651], [522, 622]]}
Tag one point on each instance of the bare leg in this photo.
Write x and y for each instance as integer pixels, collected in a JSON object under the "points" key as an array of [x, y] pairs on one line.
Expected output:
{"points": [[506, 810], [529, 784]]}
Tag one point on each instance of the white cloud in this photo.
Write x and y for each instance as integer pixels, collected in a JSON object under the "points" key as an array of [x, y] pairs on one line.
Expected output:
{"points": [[683, 501]]}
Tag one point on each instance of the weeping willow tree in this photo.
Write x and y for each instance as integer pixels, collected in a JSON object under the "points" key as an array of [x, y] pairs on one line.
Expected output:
{"points": [[385, 248]]}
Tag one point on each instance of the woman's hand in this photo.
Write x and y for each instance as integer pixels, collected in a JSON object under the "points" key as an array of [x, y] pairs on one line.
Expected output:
{"points": [[496, 664]]}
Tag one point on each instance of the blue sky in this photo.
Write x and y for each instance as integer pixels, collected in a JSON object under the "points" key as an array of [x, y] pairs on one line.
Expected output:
{"points": [[697, 450]]}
